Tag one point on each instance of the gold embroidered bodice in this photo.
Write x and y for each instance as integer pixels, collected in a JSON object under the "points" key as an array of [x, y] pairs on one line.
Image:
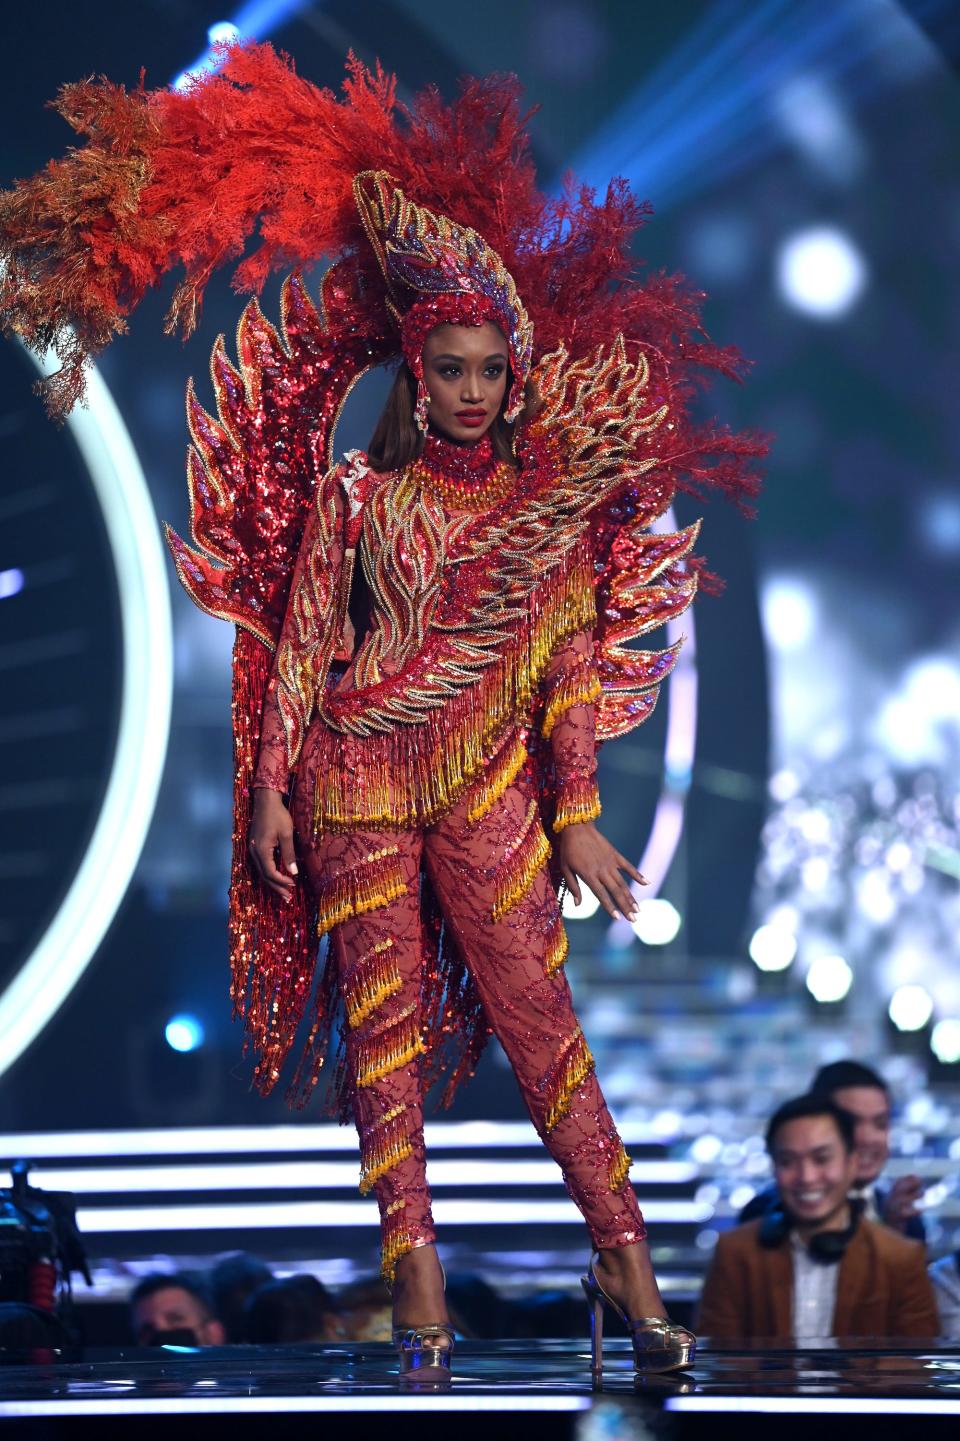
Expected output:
{"points": [[405, 544]]}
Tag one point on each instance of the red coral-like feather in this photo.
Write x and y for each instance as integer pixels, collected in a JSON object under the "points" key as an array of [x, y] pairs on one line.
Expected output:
{"points": [[255, 154]]}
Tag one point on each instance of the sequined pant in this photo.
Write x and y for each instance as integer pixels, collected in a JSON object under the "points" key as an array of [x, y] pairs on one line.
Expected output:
{"points": [[490, 879]]}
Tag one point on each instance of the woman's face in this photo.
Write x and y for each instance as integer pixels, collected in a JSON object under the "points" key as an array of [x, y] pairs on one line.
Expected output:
{"points": [[465, 370]]}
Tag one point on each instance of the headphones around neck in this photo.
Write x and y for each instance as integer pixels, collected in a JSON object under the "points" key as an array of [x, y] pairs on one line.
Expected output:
{"points": [[826, 1247]]}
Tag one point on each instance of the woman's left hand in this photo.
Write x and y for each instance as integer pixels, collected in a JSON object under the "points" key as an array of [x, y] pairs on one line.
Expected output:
{"points": [[585, 855]]}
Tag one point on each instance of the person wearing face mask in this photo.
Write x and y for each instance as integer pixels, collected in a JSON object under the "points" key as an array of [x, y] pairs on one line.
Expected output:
{"points": [[173, 1310], [816, 1267], [865, 1096]]}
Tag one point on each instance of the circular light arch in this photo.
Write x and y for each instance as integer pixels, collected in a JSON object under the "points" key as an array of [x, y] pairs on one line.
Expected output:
{"points": [[70, 941]]}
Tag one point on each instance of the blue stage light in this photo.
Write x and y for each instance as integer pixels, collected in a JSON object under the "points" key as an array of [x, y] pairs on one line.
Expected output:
{"points": [[254, 21], [714, 107], [11, 582], [184, 1033], [224, 32]]}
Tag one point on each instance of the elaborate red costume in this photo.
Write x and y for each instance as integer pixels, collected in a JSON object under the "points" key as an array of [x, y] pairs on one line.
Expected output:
{"points": [[433, 744]]}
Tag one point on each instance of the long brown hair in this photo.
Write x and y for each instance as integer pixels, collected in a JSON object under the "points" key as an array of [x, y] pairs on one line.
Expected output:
{"points": [[397, 442]]}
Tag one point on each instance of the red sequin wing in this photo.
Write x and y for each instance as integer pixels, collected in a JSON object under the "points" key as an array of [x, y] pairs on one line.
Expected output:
{"points": [[607, 410], [250, 468]]}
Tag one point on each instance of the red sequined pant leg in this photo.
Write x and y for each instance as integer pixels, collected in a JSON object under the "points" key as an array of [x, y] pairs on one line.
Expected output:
{"points": [[368, 890], [491, 881], [492, 885]]}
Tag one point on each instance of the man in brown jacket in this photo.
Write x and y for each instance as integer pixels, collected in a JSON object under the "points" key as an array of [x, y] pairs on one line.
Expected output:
{"points": [[815, 1268]]}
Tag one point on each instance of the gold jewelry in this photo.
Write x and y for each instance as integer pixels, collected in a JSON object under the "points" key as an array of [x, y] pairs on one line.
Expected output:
{"points": [[459, 493]]}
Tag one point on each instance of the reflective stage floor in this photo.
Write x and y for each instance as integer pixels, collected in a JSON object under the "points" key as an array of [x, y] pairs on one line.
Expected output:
{"points": [[528, 1388]]}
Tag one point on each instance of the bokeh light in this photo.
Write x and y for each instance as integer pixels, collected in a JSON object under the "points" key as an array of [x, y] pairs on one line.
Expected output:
{"points": [[910, 1008], [829, 979], [184, 1032], [945, 1040], [658, 922], [772, 947], [821, 272]]}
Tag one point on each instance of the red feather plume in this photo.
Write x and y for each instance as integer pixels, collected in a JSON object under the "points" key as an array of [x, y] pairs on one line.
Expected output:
{"points": [[256, 154]]}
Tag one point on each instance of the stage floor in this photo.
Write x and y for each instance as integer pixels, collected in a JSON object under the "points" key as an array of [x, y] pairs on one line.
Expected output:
{"points": [[514, 1387]]}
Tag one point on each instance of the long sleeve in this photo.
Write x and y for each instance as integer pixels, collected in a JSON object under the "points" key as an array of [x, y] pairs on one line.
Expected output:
{"points": [[312, 610], [571, 686]]}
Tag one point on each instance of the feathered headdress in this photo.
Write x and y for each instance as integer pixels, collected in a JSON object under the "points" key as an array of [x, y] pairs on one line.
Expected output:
{"points": [[254, 152]]}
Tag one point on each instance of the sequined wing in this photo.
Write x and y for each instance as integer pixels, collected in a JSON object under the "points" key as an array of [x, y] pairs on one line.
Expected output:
{"points": [[608, 408], [253, 467]]}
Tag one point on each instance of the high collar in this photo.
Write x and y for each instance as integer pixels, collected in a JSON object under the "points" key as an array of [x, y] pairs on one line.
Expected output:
{"points": [[472, 461]]}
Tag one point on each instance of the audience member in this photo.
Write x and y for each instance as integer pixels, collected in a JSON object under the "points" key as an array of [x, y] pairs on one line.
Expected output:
{"points": [[290, 1310], [945, 1275], [365, 1311], [173, 1310], [232, 1281], [866, 1096], [476, 1309], [816, 1267]]}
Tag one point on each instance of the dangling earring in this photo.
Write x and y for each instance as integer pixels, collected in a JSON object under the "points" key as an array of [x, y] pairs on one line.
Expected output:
{"points": [[420, 409], [516, 402]]}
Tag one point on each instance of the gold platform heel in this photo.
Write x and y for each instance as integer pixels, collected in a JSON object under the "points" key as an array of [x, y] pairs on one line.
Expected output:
{"points": [[421, 1359], [658, 1344]]}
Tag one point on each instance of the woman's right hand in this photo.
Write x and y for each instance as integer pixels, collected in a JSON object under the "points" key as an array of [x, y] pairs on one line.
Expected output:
{"points": [[271, 829]]}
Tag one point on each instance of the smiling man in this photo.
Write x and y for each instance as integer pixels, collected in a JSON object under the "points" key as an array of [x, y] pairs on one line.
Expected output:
{"points": [[816, 1267], [865, 1095]]}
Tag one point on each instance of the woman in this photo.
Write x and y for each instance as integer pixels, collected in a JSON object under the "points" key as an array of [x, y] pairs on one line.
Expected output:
{"points": [[453, 639]]}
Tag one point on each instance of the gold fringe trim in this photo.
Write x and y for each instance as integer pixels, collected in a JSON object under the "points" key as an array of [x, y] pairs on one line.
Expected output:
{"points": [[395, 1240], [519, 870], [374, 978], [396, 1045], [573, 1068], [558, 947], [385, 1145], [501, 773], [577, 800], [619, 1167], [578, 685], [408, 775], [375, 881]]}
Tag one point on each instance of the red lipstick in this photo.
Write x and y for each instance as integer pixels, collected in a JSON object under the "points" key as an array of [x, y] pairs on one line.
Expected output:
{"points": [[471, 418]]}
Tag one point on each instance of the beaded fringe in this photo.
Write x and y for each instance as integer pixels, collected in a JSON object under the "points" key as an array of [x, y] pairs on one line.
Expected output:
{"points": [[573, 1066], [374, 977], [501, 773], [619, 1167], [396, 1045], [408, 775], [372, 882], [577, 685], [558, 947], [519, 870], [385, 1145], [395, 1240], [577, 800]]}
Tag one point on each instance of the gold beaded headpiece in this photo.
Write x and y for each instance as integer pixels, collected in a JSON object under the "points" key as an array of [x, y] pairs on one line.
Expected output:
{"points": [[438, 272]]}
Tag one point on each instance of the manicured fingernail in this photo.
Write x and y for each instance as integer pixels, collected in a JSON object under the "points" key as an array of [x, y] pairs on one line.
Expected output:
{"points": [[292, 868], [617, 916]]}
